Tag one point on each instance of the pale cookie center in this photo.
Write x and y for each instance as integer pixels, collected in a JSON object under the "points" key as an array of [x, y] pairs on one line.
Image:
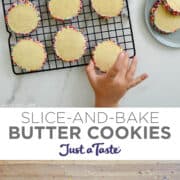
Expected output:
{"points": [[108, 8], [174, 4], [165, 20], [29, 55], [64, 9], [70, 44], [23, 18], [106, 54]]}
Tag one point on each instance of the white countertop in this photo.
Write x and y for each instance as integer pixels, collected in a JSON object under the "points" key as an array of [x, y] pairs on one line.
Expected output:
{"points": [[71, 88]]}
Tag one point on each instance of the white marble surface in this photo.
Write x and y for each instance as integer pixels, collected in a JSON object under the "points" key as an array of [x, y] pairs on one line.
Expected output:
{"points": [[71, 88]]}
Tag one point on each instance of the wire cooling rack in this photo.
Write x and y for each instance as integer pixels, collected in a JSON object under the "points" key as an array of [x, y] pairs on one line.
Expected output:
{"points": [[95, 29]]}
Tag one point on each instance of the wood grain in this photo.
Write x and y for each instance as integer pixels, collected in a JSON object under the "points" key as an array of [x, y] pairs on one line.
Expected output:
{"points": [[89, 170]]}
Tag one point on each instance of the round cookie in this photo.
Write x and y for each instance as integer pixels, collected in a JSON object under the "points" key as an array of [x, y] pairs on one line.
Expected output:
{"points": [[29, 54], [23, 18], [173, 6], [162, 20], [70, 44], [108, 8], [64, 9], [105, 55]]}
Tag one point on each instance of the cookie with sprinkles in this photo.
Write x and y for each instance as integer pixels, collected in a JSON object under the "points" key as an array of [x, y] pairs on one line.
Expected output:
{"points": [[173, 6], [23, 18], [162, 20], [108, 8], [70, 44], [64, 9], [106, 54], [29, 54]]}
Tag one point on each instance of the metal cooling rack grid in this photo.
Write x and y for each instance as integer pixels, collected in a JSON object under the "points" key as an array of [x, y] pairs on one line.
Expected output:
{"points": [[95, 29]]}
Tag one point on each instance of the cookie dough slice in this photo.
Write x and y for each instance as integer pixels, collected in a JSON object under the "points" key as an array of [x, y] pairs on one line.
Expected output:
{"points": [[162, 20], [108, 8], [64, 9], [23, 18], [29, 54], [105, 55], [173, 6], [70, 44]]}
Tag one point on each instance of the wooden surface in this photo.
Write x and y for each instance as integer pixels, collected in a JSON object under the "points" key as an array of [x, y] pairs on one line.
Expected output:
{"points": [[89, 170]]}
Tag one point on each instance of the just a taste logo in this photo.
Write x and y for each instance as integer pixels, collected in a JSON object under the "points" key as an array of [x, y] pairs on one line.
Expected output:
{"points": [[97, 149], [97, 127]]}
